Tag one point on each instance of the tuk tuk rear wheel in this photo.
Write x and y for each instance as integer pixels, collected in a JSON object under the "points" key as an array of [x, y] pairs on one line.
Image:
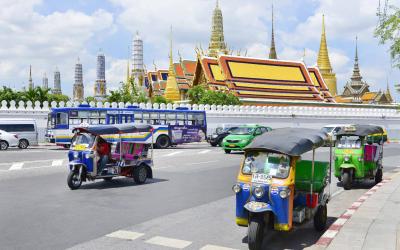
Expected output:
{"points": [[255, 233], [346, 180], [74, 182], [378, 176], [107, 178], [320, 218], [140, 174]]}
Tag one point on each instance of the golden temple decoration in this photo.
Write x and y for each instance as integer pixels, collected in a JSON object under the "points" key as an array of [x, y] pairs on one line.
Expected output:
{"points": [[324, 63], [172, 89], [217, 42]]}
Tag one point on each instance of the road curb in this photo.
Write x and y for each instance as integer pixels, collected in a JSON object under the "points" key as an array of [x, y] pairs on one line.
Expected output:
{"points": [[334, 229]]}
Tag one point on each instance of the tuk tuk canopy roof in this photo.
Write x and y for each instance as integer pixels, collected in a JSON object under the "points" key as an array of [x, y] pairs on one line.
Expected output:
{"points": [[289, 141], [360, 130], [114, 129]]}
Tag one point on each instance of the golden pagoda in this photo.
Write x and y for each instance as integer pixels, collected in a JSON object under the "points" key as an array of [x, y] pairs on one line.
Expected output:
{"points": [[324, 63], [272, 51], [217, 42], [171, 89]]}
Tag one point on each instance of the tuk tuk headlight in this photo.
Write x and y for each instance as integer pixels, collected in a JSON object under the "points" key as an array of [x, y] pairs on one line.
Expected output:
{"points": [[259, 192], [76, 155], [284, 193], [360, 158], [236, 188], [347, 158]]}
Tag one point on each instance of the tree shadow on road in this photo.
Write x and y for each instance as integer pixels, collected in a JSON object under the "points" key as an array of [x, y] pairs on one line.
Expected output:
{"points": [[300, 237], [118, 183]]}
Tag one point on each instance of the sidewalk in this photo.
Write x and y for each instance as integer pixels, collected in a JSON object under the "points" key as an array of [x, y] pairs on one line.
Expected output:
{"points": [[374, 222]]}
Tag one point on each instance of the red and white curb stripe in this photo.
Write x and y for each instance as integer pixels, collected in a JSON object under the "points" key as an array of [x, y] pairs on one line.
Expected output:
{"points": [[334, 229]]}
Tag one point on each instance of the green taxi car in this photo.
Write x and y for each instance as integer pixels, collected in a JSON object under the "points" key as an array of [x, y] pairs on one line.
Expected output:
{"points": [[241, 136]]}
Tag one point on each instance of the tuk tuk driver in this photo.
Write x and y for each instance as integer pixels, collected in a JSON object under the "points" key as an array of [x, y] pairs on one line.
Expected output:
{"points": [[103, 149]]}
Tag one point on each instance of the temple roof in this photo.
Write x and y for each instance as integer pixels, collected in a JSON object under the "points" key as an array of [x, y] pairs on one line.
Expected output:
{"points": [[272, 51], [263, 78]]}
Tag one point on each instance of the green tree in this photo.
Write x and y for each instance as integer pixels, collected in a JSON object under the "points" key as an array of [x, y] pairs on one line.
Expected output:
{"points": [[89, 99], [160, 99], [388, 31], [199, 95]]}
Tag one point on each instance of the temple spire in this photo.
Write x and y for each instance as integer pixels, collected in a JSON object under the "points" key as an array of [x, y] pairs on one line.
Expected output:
{"points": [[172, 89], [217, 42], [356, 77], [324, 63], [30, 78], [272, 51], [323, 55]]}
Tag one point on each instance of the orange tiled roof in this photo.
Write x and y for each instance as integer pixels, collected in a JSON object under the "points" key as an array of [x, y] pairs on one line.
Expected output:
{"points": [[369, 96], [178, 70], [189, 66]]}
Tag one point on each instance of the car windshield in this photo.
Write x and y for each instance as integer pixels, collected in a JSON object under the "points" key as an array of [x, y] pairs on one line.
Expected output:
{"points": [[272, 164], [242, 131], [349, 142], [327, 129], [84, 139]]}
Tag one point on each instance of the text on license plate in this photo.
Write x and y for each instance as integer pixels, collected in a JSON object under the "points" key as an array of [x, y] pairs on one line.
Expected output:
{"points": [[260, 178]]}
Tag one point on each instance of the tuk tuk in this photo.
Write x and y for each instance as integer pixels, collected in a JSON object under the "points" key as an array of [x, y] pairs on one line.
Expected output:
{"points": [[358, 154], [276, 189], [108, 151]]}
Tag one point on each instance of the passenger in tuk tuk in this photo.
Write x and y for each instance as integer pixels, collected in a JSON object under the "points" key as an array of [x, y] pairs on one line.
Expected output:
{"points": [[104, 151]]}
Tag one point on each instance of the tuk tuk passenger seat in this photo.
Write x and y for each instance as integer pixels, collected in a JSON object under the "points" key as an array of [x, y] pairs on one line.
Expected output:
{"points": [[369, 152], [303, 175]]}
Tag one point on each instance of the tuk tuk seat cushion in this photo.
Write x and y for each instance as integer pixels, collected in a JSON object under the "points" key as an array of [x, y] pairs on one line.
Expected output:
{"points": [[303, 175], [370, 151]]}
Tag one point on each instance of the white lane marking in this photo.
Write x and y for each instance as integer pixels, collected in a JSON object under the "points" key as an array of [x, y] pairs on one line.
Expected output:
{"points": [[202, 162], [57, 163], [36, 161], [125, 235], [214, 247], [169, 242], [16, 166], [205, 151], [173, 153], [329, 234]]}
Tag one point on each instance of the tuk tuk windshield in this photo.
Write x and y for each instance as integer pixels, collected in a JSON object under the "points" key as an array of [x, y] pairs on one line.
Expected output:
{"points": [[275, 165], [349, 142], [84, 140]]}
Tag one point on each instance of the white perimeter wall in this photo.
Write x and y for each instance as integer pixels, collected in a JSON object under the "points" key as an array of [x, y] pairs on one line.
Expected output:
{"points": [[273, 116]]}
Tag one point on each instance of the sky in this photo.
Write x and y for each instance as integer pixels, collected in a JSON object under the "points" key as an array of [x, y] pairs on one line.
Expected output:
{"points": [[54, 33]]}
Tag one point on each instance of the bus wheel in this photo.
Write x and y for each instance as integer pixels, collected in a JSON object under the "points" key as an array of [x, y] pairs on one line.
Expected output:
{"points": [[163, 142], [23, 144], [255, 233], [66, 146]]}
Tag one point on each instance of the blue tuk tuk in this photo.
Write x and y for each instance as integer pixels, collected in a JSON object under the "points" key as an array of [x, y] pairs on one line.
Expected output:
{"points": [[276, 189], [108, 151]]}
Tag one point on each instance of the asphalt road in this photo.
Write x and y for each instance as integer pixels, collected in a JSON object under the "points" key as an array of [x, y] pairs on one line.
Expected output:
{"points": [[188, 204]]}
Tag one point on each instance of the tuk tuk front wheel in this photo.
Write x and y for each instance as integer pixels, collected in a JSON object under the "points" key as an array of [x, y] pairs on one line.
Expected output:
{"points": [[255, 233], [140, 174], [346, 180], [378, 176], [227, 151], [320, 218], [74, 181]]}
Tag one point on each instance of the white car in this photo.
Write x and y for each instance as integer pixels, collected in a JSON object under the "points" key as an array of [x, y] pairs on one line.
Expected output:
{"points": [[8, 140]]}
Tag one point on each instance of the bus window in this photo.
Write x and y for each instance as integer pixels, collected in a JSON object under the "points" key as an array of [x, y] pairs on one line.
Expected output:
{"points": [[61, 118], [146, 118], [191, 119], [137, 117], [199, 119], [180, 118], [171, 118], [163, 118], [78, 117], [102, 118], [154, 117], [94, 118]]}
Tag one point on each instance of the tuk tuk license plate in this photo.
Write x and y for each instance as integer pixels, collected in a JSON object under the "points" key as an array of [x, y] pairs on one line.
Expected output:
{"points": [[232, 145], [260, 178]]}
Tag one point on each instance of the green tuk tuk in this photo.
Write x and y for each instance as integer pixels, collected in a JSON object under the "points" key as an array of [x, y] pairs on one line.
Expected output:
{"points": [[358, 156]]}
